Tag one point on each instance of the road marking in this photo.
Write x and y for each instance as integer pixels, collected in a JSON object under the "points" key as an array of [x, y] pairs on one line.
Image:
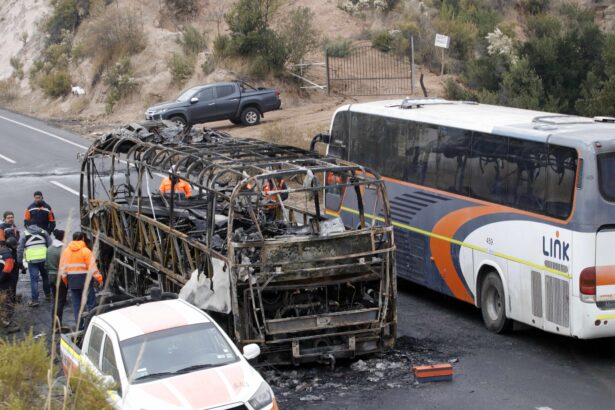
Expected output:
{"points": [[544, 408], [44, 132], [64, 187], [7, 159]]}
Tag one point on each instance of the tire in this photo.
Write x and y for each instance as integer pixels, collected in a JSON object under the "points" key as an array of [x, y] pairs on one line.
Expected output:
{"points": [[493, 304], [235, 121], [179, 120], [250, 116]]}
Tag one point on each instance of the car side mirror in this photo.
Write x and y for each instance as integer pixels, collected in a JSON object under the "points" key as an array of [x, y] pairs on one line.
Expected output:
{"points": [[251, 351], [194, 100], [108, 381]]}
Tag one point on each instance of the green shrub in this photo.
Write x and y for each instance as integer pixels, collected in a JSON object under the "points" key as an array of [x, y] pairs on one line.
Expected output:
{"points": [[17, 67], [56, 83], [209, 65], [8, 92], [382, 40], [299, 35], [339, 47], [455, 91], [533, 6], [120, 82], [222, 45], [192, 40], [183, 8], [114, 34], [181, 66]]}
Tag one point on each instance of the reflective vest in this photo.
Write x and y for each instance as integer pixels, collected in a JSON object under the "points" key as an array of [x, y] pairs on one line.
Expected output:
{"points": [[36, 248], [75, 264], [270, 186], [42, 215], [181, 187]]}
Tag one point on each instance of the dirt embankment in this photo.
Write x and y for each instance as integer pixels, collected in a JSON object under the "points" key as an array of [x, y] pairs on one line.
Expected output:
{"points": [[304, 112]]}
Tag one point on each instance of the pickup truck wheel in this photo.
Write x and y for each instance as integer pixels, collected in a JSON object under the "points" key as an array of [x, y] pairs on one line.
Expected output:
{"points": [[250, 116], [179, 121]]}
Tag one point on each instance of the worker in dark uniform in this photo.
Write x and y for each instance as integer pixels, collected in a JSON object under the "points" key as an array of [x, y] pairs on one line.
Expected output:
{"points": [[11, 243], [7, 263], [40, 213], [7, 227]]}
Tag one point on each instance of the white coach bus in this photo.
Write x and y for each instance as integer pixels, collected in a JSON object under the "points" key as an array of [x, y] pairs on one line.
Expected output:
{"points": [[511, 210]]}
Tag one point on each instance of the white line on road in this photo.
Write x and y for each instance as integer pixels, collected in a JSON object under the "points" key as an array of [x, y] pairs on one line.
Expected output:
{"points": [[44, 132], [7, 159], [544, 408], [64, 187]]}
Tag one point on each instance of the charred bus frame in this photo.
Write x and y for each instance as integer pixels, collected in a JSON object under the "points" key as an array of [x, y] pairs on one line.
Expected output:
{"points": [[267, 263]]}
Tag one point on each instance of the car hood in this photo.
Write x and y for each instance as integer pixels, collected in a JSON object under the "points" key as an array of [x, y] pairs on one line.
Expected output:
{"points": [[204, 389], [167, 104]]}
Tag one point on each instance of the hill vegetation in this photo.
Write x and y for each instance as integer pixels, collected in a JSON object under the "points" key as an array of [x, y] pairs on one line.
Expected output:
{"points": [[541, 54]]}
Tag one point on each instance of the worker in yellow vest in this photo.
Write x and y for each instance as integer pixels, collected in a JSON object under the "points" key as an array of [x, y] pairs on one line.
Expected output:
{"points": [[32, 248]]}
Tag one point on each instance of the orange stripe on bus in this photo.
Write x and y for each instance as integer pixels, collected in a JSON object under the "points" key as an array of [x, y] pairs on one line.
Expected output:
{"points": [[605, 275], [441, 249]]}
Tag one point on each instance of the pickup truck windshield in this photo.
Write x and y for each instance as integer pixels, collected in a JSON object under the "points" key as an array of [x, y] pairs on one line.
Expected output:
{"points": [[175, 351], [186, 95]]}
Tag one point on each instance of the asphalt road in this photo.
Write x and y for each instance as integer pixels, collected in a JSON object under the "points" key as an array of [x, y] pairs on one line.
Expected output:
{"points": [[527, 369]]}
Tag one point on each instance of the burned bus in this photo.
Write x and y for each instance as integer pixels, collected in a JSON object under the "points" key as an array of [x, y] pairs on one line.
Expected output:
{"points": [[251, 245]]}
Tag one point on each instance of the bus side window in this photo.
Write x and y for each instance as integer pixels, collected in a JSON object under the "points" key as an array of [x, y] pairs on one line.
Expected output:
{"points": [[453, 153], [338, 147], [530, 180], [561, 174], [490, 168], [423, 167]]}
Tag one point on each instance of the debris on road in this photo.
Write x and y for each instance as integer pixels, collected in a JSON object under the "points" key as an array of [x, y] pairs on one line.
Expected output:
{"points": [[390, 370], [433, 372]]}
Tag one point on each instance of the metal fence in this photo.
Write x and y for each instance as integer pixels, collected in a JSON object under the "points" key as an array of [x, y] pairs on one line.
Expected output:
{"points": [[368, 71]]}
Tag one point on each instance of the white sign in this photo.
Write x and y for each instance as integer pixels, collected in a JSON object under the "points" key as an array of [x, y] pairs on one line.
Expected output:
{"points": [[442, 41]]}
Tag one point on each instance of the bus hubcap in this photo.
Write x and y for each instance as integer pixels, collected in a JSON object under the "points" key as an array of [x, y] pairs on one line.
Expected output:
{"points": [[494, 304]]}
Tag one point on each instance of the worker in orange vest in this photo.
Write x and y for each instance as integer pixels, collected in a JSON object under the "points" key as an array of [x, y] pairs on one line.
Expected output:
{"points": [[181, 187], [76, 264], [271, 185]]}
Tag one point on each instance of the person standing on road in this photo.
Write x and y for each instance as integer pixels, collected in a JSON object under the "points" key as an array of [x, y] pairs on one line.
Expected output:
{"points": [[11, 243], [40, 212], [8, 229], [33, 248], [76, 264], [7, 262], [59, 291]]}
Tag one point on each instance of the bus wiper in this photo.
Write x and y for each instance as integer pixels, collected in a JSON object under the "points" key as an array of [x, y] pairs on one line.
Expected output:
{"points": [[194, 367]]}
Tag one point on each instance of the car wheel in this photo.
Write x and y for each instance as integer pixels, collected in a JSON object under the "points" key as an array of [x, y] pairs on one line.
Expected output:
{"points": [[250, 116], [235, 121], [493, 304], [179, 121]]}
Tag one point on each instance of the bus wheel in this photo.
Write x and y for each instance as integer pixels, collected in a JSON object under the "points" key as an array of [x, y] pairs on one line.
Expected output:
{"points": [[492, 304]]}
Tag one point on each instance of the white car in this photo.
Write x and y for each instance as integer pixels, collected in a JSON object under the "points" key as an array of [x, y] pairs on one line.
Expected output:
{"points": [[168, 355]]}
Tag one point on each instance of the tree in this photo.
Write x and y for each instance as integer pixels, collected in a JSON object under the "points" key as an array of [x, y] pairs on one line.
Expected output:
{"points": [[521, 87]]}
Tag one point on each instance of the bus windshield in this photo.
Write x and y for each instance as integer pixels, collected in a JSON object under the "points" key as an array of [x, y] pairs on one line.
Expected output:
{"points": [[606, 175]]}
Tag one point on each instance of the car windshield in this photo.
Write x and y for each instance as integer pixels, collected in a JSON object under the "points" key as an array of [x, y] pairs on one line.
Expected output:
{"points": [[175, 351], [186, 95], [606, 175]]}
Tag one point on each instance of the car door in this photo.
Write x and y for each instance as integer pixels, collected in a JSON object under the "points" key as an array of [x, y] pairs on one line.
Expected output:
{"points": [[227, 101], [201, 105], [102, 360]]}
